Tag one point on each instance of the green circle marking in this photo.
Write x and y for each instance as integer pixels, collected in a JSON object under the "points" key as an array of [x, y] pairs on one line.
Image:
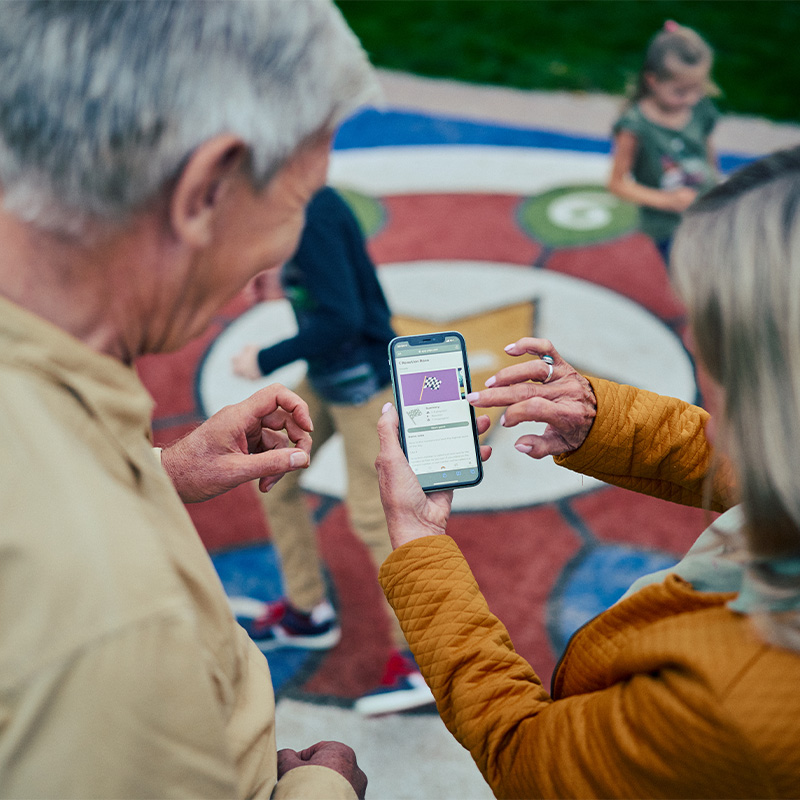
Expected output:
{"points": [[576, 215], [370, 212]]}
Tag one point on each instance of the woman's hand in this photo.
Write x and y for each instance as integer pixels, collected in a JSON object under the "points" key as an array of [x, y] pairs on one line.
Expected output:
{"points": [[410, 512], [562, 398]]}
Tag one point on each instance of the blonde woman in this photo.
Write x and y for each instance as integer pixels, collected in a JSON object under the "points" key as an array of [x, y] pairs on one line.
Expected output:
{"points": [[687, 687]]}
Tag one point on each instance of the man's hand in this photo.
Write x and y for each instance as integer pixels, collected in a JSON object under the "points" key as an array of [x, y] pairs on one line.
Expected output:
{"points": [[410, 512], [565, 402], [262, 438], [334, 755]]}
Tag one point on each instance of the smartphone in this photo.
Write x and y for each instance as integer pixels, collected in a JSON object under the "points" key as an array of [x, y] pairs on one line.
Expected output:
{"points": [[430, 377]]}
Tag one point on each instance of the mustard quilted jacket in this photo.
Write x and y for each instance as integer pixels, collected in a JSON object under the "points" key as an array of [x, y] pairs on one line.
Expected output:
{"points": [[666, 694]]}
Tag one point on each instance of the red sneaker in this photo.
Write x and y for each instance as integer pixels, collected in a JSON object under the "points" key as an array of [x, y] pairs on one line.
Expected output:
{"points": [[401, 689], [279, 624]]}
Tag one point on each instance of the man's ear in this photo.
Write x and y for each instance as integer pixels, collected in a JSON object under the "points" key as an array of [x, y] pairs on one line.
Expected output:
{"points": [[200, 185]]}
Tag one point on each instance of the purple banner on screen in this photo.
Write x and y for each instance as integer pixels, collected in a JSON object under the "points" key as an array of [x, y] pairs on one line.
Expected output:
{"points": [[435, 386]]}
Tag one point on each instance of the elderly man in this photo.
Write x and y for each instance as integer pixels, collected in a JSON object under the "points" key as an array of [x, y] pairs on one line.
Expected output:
{"points": [[153, 158]]}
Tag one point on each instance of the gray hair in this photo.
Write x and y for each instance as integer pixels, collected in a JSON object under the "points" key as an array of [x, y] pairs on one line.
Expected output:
{"points": [[736, 259], [102, 102]]}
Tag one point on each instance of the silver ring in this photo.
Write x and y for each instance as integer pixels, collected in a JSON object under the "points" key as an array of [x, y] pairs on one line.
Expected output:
{"points": [[549, 361]]}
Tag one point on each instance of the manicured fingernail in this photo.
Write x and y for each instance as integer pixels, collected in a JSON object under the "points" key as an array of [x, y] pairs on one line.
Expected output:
{"points": [[523, 448], [298, 459], [491, 381], [510, 346], [386, 407], [503, 420], [473, 396]]}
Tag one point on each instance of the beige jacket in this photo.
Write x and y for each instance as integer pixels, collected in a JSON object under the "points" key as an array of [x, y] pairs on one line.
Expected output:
{"points": [[122, 671]]}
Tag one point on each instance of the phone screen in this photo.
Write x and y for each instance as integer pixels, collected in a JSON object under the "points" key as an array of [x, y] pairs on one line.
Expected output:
{"points": [[437, 424]]}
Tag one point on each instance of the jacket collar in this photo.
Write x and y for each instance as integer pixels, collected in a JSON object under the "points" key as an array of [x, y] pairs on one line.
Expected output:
{"points": [[109, 390]]}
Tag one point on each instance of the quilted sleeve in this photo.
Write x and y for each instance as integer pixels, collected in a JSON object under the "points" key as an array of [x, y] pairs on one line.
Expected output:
{"points": [[656, 734], [651, 444]]}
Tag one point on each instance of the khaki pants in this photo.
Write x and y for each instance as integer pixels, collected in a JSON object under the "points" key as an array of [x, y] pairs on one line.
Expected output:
{"points": [[289, 519]]}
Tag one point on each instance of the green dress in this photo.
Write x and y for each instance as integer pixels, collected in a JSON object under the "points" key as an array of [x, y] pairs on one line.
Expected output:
{"points": [[668, 158]]}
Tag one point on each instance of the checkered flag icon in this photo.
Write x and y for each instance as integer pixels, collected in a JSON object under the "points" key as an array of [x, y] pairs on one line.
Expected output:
{"points": [[431, 382]]}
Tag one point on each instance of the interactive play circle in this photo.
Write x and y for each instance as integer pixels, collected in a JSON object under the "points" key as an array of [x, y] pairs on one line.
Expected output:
{"points": [[637, 349], [594, 580], [252, 576], [550, 197], [369, 211], [571, 216]]}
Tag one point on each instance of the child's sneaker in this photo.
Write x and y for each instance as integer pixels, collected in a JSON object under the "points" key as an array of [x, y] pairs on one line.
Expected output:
{"points": [[281, 625], [402, 688]]}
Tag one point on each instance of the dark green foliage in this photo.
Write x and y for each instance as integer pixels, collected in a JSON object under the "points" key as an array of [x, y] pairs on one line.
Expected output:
{"points": [[586, 45]]}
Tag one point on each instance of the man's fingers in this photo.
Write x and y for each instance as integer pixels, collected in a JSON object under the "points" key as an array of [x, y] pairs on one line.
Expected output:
{"points": [[270, 399], [294, 432], [288, 759], [271, 464], [272, 440], [312, 750], [265, 484]]}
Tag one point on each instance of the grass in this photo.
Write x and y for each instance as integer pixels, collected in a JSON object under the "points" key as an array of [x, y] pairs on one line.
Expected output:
{"points": [[586, 45]]}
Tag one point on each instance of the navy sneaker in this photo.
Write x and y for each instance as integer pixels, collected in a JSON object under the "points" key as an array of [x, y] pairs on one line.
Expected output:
{"points": [[279, 624], [402, 688]]}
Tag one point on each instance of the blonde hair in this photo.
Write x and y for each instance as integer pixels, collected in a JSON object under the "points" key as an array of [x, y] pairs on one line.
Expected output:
{"points": [[736, 260], [673, 43]]}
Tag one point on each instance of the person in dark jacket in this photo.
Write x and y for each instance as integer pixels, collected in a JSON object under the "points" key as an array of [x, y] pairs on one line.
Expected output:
{"points": [[344, 328]]}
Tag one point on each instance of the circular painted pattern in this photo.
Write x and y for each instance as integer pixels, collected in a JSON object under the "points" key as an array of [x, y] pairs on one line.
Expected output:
{"points": [[594, 580], [369, 211], [599, 329], [252, 576], [576, 215], [638, 349]]}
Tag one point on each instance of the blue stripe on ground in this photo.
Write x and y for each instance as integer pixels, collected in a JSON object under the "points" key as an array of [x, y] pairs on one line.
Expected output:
{"points": [[254, 571], [593, 581], [393, 128]]}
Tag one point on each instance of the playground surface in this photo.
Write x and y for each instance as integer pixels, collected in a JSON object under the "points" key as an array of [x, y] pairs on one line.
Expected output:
{"points": [[484, 210]]}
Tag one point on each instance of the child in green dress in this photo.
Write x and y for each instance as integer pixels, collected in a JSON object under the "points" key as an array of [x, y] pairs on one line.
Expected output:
{"points": [[663, 156]]}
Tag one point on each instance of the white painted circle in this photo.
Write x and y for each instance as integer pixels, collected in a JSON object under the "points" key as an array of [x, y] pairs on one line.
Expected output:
{"points": [[386, 171], [597, 330], [580, 211]]}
